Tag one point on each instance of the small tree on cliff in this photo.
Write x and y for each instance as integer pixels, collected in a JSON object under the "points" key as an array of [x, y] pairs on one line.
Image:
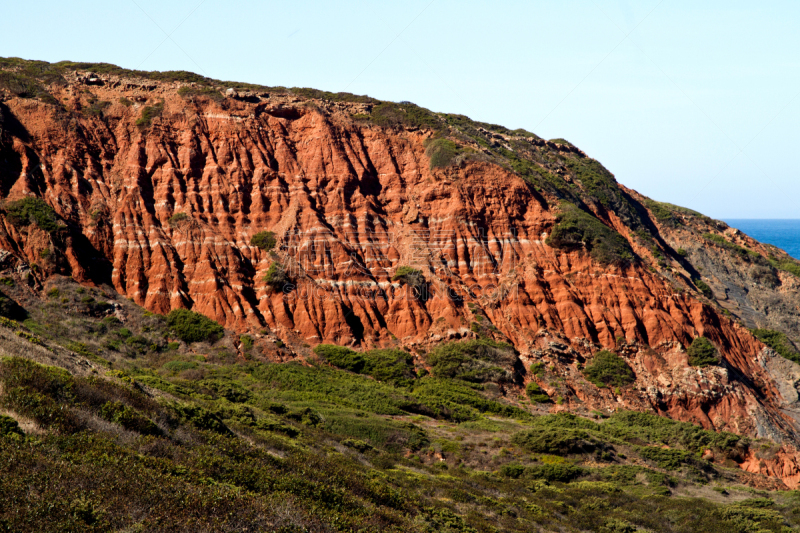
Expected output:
{"points": [[265, 240], [609, 369], [414, 279], [702, 353]]}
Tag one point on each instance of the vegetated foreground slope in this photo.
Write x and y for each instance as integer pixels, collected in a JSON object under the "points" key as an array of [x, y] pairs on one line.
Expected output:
{"points": [[298, 217], [165, 435]]}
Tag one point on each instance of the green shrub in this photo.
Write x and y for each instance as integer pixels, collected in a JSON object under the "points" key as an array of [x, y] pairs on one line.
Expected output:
{"points": [[201, 92], [414, 279], [609, 369], [9, 426], [703, 287], [576, 229], [666, 458], [200, 418], [536, 394], [264, 239], [124, 101], [778, 342], [442, 152], [179, 366], [342, 357], [193, 327], [478, 360], [702, 353], [512, 470], [390, 114], [276, 276], [556, 472], [177, 218], [681, 252], [388, 365], [558, 441], [247, 342], [32, 210], [148, 114], [128, 418]]}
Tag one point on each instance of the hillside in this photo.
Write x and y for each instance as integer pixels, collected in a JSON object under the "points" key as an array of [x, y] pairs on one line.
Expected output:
{"points": [[417, 306]]}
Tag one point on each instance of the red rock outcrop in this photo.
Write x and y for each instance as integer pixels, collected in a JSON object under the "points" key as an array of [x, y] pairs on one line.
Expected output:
{"points": [[350, 203]]}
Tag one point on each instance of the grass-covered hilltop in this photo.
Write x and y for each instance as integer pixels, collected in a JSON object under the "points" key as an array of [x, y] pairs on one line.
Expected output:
{"points": [[114, 417]]}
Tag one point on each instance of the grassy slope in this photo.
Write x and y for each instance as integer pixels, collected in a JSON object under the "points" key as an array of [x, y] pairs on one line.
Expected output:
{"points": [[167, 436]]}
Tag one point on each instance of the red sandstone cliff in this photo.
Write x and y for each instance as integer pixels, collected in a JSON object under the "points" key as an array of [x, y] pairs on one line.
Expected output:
{"points": [[350, 202]]}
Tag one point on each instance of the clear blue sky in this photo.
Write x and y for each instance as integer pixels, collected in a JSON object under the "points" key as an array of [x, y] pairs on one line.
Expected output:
{"points": [[694, 103]]}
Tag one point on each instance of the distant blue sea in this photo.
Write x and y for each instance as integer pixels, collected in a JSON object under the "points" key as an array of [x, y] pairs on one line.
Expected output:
{"points": [[784, 234]]}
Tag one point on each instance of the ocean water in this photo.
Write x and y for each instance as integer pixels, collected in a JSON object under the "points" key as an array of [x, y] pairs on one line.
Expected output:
{"points": [[783, 233]]}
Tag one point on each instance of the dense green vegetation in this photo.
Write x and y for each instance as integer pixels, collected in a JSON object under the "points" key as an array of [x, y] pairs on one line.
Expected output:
{"points": [[609, 369], [31, 210], [193, 327], [576, 228], [264, 239], [702, 353], [477, 361], [778, 342]]}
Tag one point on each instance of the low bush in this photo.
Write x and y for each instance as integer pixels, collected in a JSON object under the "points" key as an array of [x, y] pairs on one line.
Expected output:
{"points": [[702, 353], [128, 418], [414, 279], [264, 240], [536, 394], [478, 360], [406, 114], [193, 327], [179, 366], [665, 458], [703, 287], [200, 418], [609, 369], [9, 426], [559, 441], [442, 152], [148, 114], [389, 365], [563, 473], [191, 93], [276, 276], [32, 210], [576, 229], [342, 357], [177, 218], [778, 342]]}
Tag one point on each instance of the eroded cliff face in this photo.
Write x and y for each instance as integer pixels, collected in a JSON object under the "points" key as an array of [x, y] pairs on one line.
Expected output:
{"points": [[351, 202]]}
